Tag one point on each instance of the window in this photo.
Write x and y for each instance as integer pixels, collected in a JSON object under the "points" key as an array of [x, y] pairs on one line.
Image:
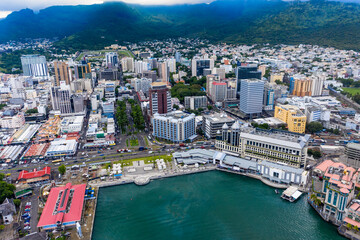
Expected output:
{"points": [[276, 174], [335, 198], [329, 196]]}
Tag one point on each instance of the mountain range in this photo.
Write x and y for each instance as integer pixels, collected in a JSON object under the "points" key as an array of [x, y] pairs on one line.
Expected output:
{"points": [[325, 23]]}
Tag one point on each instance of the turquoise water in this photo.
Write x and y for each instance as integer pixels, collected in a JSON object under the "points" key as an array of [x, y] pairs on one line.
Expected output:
{"points": [[212, 205]]}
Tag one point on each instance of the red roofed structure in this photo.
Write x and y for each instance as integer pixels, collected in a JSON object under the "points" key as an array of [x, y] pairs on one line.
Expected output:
{"points": [[63, 207], [34, 176]]}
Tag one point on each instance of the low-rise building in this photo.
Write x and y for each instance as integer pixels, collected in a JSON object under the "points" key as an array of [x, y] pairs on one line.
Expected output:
{"points": [[270, 145], [7, 211], [63, 208], [61, 147], [34, 176], [72, 124]]}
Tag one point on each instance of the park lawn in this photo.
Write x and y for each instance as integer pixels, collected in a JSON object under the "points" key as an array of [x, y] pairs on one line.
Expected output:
{"points": [[146, 160], [134, 142], [352, 91]]}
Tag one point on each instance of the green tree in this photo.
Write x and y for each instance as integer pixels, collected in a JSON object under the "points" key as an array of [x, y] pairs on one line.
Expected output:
{"points": [[356, 98], [17, 202], [62, 169], [2, 106], [209, 107], [316, 154], [314, 127], [31, 111], [176, 107], [6, 190], [2, 227]]}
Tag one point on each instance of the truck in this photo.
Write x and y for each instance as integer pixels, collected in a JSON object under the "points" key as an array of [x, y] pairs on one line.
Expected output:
{"points": [[141, 148]]}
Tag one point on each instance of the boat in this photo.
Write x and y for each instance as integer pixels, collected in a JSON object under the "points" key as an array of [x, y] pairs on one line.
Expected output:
{"points": [[276, 191]]}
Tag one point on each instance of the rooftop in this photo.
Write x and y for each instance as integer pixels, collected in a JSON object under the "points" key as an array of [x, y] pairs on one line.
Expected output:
{"points": [[35, 174], [64, 205], [218, 117]]}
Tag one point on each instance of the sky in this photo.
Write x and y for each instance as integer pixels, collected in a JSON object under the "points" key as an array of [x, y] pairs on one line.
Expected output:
{"points": [[7, 6]]}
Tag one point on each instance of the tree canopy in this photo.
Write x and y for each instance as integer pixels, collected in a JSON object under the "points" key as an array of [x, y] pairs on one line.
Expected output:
{"points": [[314, 127]]}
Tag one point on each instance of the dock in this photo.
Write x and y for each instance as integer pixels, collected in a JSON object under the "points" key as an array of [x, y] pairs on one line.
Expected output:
{"points": [[291, 194]]}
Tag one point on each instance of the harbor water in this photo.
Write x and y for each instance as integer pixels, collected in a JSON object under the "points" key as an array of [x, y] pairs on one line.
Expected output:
{"points": [[211, 205]]}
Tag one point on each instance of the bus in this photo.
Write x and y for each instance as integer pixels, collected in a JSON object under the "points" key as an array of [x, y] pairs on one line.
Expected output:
{"points": [[56, 161]]}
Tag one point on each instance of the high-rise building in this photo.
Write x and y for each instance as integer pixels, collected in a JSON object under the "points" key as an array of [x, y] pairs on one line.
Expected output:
{"points": [[269, 97], [218, 91], [174, 126], [112, 59], [317, 85], [160, 98], [83, 70], [141, 66], [246, 72], [164, 72], [171, 63], [209, 82], [34, 65], [195, 102], [127, 64], [352, 152], [198, 66], [60, 98], [292, 116], [302, 87], [220, 72], [77, 102], [178, 57], [291, 84], [109, 74], [62, 73], [150, 74], [251, 97]]}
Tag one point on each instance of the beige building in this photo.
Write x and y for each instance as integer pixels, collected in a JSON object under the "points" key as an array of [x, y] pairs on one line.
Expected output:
{"points": [[302, 87]]}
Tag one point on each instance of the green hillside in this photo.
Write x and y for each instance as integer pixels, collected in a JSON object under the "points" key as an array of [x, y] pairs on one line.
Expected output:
{"points": [[235, 21]]}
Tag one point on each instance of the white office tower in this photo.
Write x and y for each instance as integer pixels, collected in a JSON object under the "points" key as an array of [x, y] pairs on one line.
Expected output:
{"points": [[171, 65], [111, 59], [34, 65], [318, 80], [141, 66], [127, 64], [94, 102], [251, 96]]}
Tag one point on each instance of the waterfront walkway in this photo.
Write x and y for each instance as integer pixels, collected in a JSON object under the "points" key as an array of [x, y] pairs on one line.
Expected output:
{"points": [[265, 181]]}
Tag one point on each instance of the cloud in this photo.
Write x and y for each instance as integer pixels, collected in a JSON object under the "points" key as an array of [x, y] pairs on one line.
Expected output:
{"points": [[14, 5], [3, 14]]}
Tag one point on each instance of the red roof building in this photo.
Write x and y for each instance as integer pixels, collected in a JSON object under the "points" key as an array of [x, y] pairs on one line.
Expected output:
{"points": [[63, 207], [34, 176]]}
